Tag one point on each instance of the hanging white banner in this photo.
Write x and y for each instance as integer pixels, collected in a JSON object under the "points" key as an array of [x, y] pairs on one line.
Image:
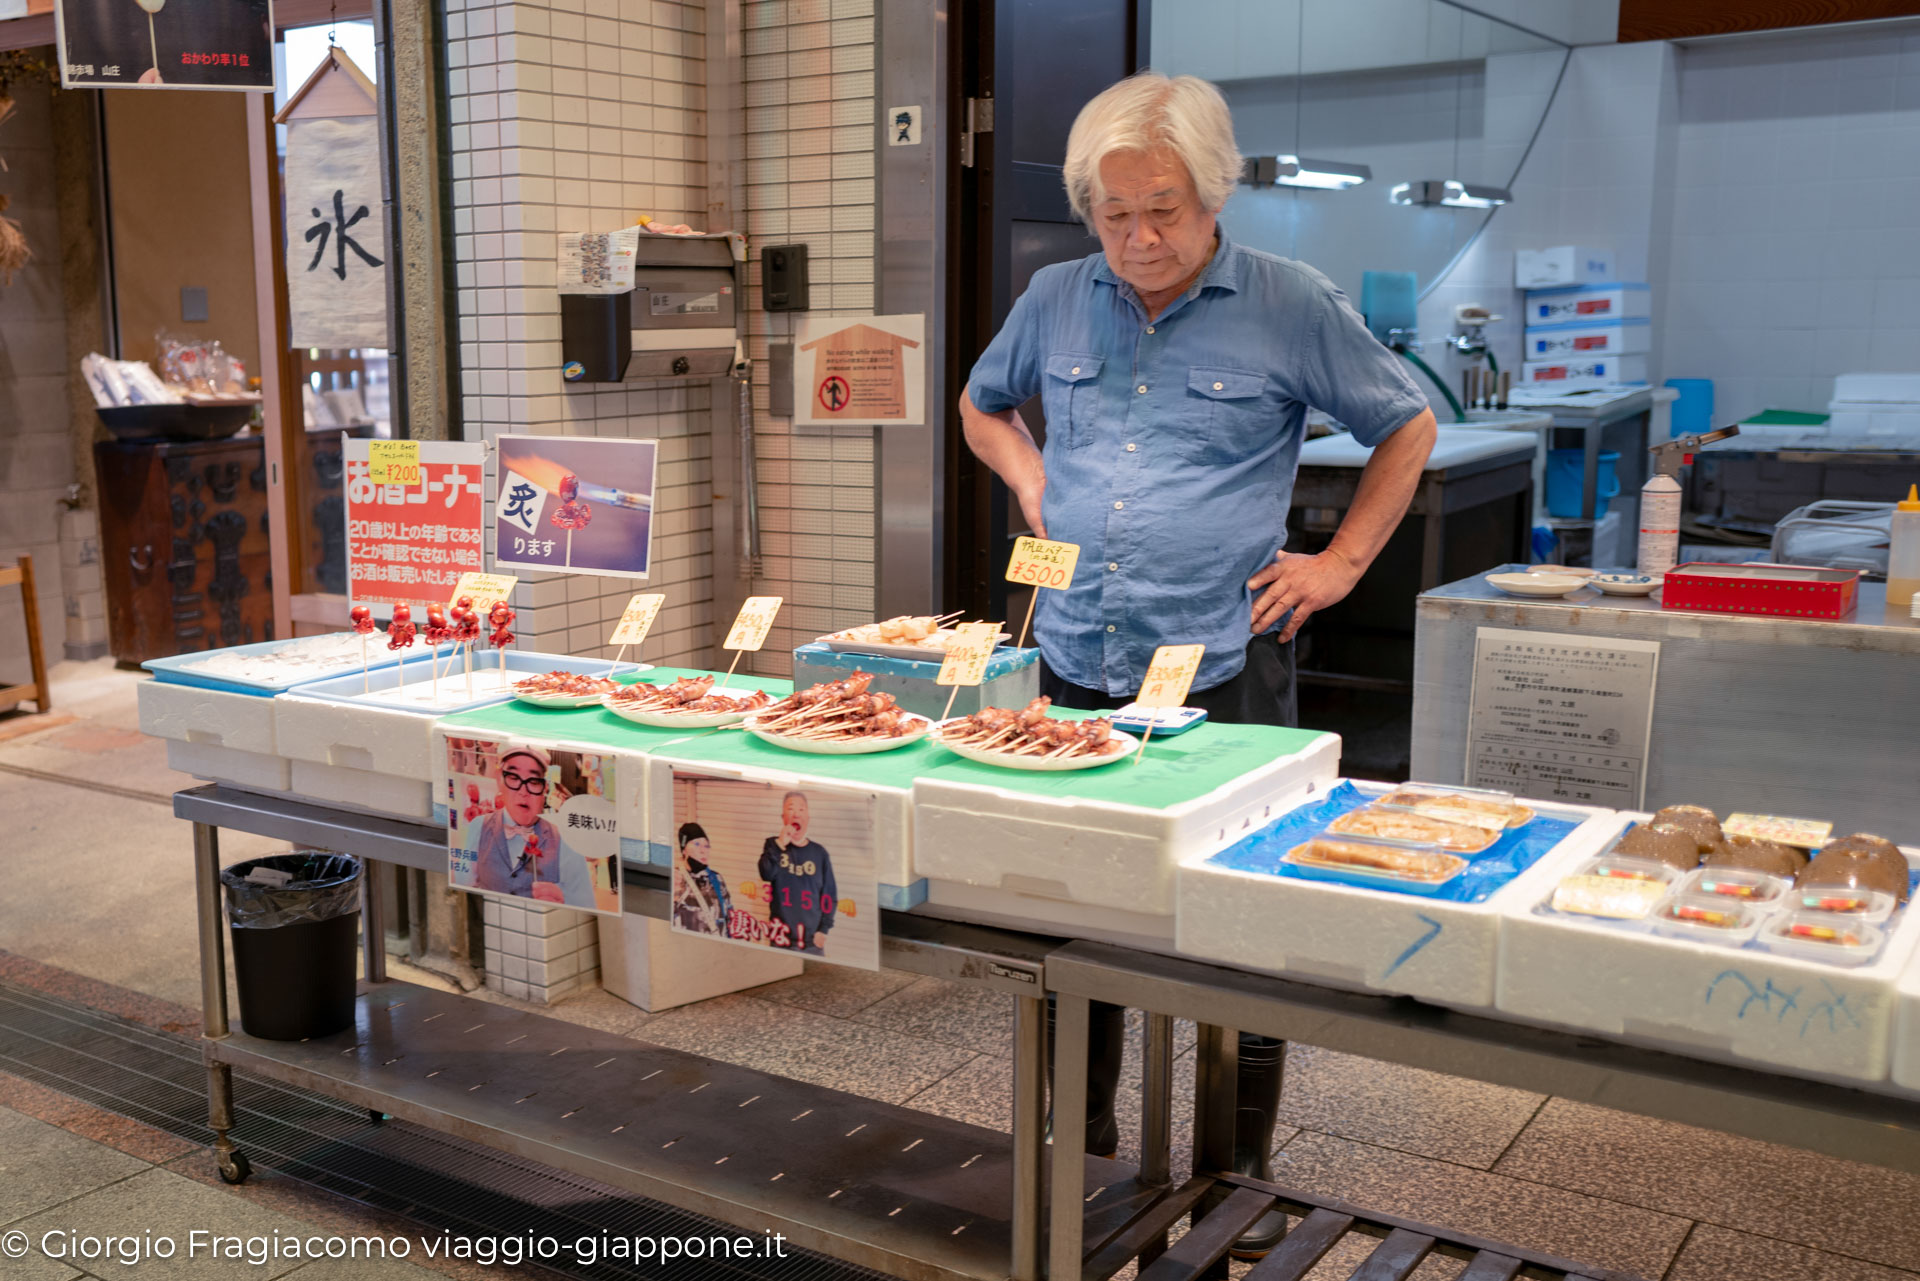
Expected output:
{"points": [[336, 239]]}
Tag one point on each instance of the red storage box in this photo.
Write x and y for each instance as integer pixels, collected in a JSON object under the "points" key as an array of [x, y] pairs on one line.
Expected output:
{"points": [[1789, 591]]}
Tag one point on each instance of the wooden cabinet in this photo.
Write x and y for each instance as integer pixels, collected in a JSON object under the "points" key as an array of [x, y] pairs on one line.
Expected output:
{"points": [[184, 538]]}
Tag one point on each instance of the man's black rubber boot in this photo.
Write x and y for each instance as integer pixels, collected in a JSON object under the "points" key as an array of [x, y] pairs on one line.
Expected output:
{"points": [[1262, 1067], [1106, 1047]]}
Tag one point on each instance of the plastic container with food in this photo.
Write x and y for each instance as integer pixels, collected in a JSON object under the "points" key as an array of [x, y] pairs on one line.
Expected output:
{"points": [[1618, 889], [1822, 936], [1737, 883], [1859, 861], [1397, 823], [1872, 907], [1706, 919], [1476, 807], [1411, 867], [1769, 857]]}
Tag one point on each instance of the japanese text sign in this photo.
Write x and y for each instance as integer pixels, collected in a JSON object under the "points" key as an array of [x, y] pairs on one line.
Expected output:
{"points": [[196, 45], [411, 542], [750, 626], [483, 590], [1170, 675], [967, 654], [637, 619], [1038, 562], [1805, 833], [393, 462]]}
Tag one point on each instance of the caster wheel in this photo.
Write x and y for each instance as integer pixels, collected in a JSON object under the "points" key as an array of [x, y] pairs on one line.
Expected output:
{"points": [[235, 1169]]}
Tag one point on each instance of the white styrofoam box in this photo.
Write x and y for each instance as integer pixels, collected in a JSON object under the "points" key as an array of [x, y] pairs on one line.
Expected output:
{"points": [[255, 770], [1906, 1026], [1850, 419], [1561, 265], [212, 717], [1099, 853], [1372, 940], [355, 736], [1877, 389], [365, 790], [1740, 1005], [980, 905], [1584, 371], [1586, 303], [1576, 339], [644, 963]]}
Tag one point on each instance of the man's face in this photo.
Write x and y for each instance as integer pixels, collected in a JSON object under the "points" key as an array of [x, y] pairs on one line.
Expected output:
{"points": [[793, 819], [1153, 228], [523, 789]]}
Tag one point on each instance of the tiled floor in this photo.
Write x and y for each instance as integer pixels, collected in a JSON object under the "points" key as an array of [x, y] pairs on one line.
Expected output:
{"points": [[1664, 1200]]}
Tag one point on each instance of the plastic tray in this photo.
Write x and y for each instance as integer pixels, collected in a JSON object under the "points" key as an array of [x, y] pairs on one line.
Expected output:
{"points": [[382, 683], [179, 670]]}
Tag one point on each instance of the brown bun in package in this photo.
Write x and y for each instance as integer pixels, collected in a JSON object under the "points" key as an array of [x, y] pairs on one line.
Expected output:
{"points": [[1757, 855], [1692, 819], [1851, 867], [1686, 814], [1662, 844]]}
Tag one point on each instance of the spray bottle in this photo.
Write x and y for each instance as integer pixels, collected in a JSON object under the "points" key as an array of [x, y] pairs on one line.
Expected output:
{"points": [[1903, 553], [1660, 499]]}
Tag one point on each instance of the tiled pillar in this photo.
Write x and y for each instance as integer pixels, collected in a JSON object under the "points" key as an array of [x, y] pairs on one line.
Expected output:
{"points": [[539, 953]]}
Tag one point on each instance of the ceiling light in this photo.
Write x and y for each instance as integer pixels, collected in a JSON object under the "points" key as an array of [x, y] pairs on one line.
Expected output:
{"points": [[1452, 194], [1292, 171]]}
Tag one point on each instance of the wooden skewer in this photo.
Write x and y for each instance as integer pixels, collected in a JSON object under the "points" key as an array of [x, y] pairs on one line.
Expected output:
{"points": [[950, 697], [736, 653], [1028, 622], [1143, 743]]}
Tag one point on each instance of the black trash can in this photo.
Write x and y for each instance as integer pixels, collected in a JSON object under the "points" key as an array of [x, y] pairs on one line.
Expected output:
{"points": [[295, 921]]}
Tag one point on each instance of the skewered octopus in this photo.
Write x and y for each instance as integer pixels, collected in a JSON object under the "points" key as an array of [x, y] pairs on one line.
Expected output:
{"points": [[400, 631], [568, 683], [362, 619], [1031, 732], [466, 622], [436, 633], [689, 694], [572, 513], [500, 618], [840, 709]]}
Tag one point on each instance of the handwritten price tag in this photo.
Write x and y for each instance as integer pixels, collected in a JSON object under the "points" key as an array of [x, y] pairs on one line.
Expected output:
{"points": [[637, 619], [1170, 675], [393, 462], [483, 589], [1803, 832], [1038, 562], [751, 625], [967, 654]]}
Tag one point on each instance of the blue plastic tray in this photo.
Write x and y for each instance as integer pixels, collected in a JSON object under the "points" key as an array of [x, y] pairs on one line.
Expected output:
{"points": [[351, 689], [177, 670]]}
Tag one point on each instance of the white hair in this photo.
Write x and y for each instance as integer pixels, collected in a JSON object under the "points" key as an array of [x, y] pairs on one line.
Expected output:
{"points": [[1185, 114]]}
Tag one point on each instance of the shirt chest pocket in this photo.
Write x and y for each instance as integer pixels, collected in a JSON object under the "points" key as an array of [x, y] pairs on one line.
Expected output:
{"points": [[1226, 415], [1071, 397]]}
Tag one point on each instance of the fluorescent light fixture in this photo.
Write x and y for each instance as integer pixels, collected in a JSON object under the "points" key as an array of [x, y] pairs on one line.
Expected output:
{"points": [[1292, 171], [1450, 193]]}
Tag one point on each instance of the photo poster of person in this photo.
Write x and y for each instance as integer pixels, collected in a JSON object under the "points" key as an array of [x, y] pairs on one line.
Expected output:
{"points": [[768, 865], [530, 821], [165, 44], [578, 505]]}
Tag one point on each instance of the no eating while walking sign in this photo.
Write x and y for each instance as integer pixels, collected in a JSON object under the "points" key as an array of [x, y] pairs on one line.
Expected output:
{"points": [[860, 369]]}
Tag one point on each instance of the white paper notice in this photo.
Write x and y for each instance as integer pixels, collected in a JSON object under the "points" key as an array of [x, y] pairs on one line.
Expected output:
{"points": [[1554, 717], [597, 262]]}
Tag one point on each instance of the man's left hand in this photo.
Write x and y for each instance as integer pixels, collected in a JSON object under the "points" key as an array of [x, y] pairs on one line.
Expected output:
{"points": [[1303, 584]]}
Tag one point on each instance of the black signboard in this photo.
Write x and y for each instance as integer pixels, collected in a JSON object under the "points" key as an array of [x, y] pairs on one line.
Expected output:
{"points": [[166, 44]]}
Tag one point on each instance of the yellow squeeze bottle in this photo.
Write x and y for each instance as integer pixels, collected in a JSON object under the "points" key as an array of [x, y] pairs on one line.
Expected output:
{"points": [[1903, 553]]}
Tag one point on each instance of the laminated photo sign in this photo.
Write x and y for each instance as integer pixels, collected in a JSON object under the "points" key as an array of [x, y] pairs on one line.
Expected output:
{"points": [[336, 238], [157, 44], [410, 539]]}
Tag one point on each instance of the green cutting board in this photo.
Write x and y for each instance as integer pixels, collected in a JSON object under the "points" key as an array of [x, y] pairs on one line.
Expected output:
{"points": [[593, 724]]}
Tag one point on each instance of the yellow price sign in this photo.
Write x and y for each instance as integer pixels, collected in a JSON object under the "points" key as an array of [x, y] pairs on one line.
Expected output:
{"points": [[483, 590], [1170, 675], [636, 620], [967, 654], [394, 462], [1039, 562], [750, 626]]}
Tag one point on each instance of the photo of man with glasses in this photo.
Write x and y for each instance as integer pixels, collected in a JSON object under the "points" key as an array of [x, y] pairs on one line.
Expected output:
{"points": [[515, 849]]}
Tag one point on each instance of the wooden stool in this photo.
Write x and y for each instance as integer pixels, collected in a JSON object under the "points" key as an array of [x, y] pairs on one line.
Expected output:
{"points": [[39, 690]]}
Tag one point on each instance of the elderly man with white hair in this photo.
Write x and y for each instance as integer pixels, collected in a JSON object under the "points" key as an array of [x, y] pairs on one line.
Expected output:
{"points": [[1176, 369]]}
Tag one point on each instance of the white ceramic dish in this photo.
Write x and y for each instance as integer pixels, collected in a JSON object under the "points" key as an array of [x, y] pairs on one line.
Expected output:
{"points": [[848, 747], [1040, 764], [679, 720], [1577, 571], [1537, 585], [1628, 584], [913, 652], [560, 700]]}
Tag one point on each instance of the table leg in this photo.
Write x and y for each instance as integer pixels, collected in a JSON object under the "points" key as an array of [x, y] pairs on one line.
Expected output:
{"points": [[1029, 1132], [373, 918], [213, 996], [1215, 1089], [1156, 1101], [1071, 1022]]}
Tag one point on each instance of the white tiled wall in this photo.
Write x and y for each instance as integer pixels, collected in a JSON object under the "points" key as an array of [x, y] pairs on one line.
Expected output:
{"points": [[576, 116], [540, 953], [808, 84]]}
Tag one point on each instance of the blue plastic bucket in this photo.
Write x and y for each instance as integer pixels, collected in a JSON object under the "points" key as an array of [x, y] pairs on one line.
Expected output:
{"points": [[1692, 414], [1566, 471]]}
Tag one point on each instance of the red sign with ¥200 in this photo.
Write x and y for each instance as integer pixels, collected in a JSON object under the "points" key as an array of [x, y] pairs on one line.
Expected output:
{"points": [[411, 543]]}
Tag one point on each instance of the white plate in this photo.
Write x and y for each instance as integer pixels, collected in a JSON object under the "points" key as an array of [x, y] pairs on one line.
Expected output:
{"points": [[849, 747], [1040, 764], [680, 720], [560, 700], [1540, 585], [1577, 571], [898, 649], [1628, 584]]}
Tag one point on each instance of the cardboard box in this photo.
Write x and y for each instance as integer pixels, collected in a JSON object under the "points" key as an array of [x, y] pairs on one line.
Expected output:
{"points": [[1577, 340], [1561, 265], [1584, 304], [1587, 371]]}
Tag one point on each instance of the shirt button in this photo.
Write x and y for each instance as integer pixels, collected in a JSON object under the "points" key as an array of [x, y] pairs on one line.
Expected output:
{"points": [[1143, 389], [1131, 447], [1119, 506], [1111, 627], [1149, 328], [1113, 566], [1076, 369], [1216, 386]]}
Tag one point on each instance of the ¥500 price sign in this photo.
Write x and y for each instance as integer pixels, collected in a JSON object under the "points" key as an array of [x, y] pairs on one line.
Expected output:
{"points": [[1039, 562]]}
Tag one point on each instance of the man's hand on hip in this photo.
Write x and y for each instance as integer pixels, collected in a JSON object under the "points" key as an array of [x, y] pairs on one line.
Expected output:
{"points": [[1303, 584], [1030, 496]]}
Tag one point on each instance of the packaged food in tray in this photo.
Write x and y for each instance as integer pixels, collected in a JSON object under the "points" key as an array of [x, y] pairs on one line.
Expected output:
{"points": [[1738, 883], [1869, 906], [1860, 861], [1409, 866], [1391, 822], [1472, 806], [1822, 936], [1707, 919], [1621, 889]]}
